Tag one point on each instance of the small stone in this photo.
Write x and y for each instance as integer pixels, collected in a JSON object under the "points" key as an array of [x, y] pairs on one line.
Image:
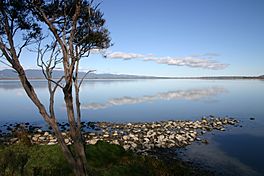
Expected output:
{"points": [[126, 147], [133, 145], [251, 118], [106, 135], [125, 137], [42, 138], [219, 123], [46, 133], [13, 140], [171, 136], [66, 140], [93, 141], [205, 141], [34, 138], [115, 133], [91, 134], [161, 137], [51, 143], [53, 140], [131, 135], [146, 139], [115, 142]]}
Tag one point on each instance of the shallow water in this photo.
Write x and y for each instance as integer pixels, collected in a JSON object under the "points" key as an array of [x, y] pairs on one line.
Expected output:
{"points": [[236, 151]]}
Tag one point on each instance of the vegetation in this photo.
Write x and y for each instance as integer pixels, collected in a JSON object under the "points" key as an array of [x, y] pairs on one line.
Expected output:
{"points": [[61, 33], [103, 158]]}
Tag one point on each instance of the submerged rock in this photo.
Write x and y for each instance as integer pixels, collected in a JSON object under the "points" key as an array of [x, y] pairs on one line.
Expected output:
{"points": [[140, 137]]}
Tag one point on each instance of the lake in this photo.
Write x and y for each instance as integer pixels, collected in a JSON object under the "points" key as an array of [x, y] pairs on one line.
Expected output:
{"points": [[237, 151]]}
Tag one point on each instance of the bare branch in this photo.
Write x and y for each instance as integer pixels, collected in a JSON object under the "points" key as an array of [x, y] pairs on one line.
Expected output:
{"points": [[5, 63], [57, 84], [90, 71], [24, 45]]}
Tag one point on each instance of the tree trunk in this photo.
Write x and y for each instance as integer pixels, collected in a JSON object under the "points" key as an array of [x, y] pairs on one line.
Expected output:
{"points": [[80, 167], [77, 162]]}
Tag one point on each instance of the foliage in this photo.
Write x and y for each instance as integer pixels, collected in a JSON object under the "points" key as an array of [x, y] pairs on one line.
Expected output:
{"points": [[63, 32], [104, 159]]}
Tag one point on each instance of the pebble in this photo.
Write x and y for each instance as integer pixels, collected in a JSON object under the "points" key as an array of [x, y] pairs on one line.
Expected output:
{"points": [[142, 136]]}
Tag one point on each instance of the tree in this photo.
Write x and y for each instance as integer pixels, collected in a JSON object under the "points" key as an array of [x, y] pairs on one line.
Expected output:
{"points": [[74, 27]]}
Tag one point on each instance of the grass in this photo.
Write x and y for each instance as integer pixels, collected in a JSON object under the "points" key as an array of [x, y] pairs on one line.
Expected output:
{"points": [[105, 160]]}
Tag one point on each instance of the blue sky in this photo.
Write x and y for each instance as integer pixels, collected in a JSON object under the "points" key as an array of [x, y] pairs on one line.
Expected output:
{"points": [[181, 38]]}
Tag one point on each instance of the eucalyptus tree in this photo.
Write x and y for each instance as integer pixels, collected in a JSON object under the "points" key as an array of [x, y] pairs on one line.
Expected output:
{"points": [[64, 32]]}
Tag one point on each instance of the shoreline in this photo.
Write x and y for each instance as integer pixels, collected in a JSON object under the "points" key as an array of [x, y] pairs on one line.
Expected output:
{"points": [[140, 137], [150, 78], [157, 140]]}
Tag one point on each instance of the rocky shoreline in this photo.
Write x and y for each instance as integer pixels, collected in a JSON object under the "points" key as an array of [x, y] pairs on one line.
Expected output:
{"points": [[139, 137]]}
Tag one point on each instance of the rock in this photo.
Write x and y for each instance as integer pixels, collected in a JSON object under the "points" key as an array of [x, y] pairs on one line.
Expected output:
{"points": [[251, 118], [93, 141], [131, 135], [146, 140], [115, 133], [39, 130], [193, 135], [46, 133], [115, 142], [42, 138], [133, 145], [126, 147], [91, 134], [219, 123], [37, 135], [160, 138], [53, 140], [172, 136], [13, 140], [205, 141], [51, 143], [34, 138], [67, 140], [125, 137], [106, 135], [198, 139]]}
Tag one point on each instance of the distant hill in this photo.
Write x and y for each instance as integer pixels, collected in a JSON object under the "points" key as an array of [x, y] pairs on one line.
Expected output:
{"points": [[37, 74]]}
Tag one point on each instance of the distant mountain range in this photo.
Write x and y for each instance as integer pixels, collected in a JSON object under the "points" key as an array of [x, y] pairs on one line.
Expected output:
{"points": [[37, 74]]}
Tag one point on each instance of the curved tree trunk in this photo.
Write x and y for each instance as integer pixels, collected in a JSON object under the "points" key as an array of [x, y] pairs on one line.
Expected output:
{"points": [[80, 167]]}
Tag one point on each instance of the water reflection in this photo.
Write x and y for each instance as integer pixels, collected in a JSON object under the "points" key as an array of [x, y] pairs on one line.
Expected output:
{"points": [[191, 94], [15, 84], [230, 155]]}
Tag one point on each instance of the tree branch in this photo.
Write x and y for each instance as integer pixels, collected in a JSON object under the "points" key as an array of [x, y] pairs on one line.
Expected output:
{"points": [[90, 71]]}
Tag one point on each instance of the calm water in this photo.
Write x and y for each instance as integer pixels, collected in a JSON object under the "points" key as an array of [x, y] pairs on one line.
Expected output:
{"points": [[238, 151]]}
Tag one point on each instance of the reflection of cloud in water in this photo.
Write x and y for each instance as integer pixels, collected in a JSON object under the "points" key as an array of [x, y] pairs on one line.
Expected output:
{"points": [[212, 157], [193, 94]]}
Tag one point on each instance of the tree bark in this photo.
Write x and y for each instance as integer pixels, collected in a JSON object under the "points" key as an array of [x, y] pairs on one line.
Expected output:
{"points": [[80, 166]]}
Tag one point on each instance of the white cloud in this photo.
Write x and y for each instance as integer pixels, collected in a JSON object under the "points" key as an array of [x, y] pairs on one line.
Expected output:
{"points": [[193, 94], [204, 61], [126, 56]]}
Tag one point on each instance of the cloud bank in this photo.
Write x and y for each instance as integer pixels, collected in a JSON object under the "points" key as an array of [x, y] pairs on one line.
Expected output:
{"points": [[204, 61], [193, 94]]}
